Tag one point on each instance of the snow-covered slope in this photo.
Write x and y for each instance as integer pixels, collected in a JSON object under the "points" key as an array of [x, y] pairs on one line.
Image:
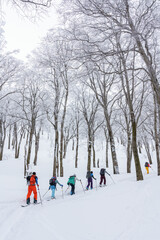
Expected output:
{"points": [[124, 210]]}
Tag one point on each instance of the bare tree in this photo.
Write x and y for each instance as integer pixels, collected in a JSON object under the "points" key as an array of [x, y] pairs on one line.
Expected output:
{"points": [[29, 101], [45, 3], [37, 138], [30, 8], [69, 132], [4, 124], [2, 135], [129, 88], [125, 126], [138, 20], [55, 56], [101, 82], [89, 108]]}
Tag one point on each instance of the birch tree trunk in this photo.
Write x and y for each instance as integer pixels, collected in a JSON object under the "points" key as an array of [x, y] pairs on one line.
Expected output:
{"points": [[156, 139], [129, 152], [9, 137], [94, 152], [56, 149], [112, 144], [77, 144], [106, 147], [62, 129], [73, 144], [89, 150], [147, 148], [15, 139], [31, 133], [19, 143], [37, 137], [1, 140], [2, 137]]}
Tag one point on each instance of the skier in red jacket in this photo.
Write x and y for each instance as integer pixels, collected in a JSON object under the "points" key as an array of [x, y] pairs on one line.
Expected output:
{"points": [[32, 182]]}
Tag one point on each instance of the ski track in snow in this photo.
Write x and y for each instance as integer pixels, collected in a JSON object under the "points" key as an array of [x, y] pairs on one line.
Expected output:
{"points": [[16, 221], [40, 221], [20, 223], [12, 216]]}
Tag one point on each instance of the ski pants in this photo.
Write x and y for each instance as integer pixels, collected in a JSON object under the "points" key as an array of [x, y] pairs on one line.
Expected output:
{"points": [[72, 188], [103, 178], [147, 168], [53, 188], [30, 190], [90, 183]]}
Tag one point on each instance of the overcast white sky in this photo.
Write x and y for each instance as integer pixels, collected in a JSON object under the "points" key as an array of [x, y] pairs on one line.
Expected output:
{"points": [[20, 33]]}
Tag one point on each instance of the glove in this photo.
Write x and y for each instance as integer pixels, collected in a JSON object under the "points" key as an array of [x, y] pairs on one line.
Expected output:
{"points": [[61, 185], [38, 187]]}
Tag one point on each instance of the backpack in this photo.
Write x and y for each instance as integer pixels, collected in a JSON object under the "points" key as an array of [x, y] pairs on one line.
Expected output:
{"points": [[146, 164], [102, 172], [88, 175], [28, 179], [52, 181], [71, 180]]}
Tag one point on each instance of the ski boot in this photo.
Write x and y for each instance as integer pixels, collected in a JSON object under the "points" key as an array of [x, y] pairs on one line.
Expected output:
{"points": [[28, 201]]}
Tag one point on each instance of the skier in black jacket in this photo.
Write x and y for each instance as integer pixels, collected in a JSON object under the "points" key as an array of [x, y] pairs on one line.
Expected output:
{"points": [[103, 178]]}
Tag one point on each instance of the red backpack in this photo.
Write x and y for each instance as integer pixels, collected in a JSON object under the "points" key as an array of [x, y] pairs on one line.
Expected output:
{"points": [[32, 180]]}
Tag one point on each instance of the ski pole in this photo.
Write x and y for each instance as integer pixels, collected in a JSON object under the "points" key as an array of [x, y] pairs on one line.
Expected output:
{"points": [[45, 193], [96, 184], [152, 169], [40, 196], [62, 192], [82, 186], [67, 189], [112, 179]]}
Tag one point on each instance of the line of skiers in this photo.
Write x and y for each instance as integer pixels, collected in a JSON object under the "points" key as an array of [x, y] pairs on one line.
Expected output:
{"points": [[32, 182]]}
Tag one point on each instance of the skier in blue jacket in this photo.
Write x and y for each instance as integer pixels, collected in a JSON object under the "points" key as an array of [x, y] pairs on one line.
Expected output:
{"points": [[53, 182]]}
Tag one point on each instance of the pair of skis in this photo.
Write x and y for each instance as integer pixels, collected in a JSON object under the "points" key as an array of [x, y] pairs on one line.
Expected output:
{"points": [[26, 205]]}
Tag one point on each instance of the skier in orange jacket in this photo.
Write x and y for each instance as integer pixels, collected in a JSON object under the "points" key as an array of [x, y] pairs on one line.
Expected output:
{"points": [[32, 182]]}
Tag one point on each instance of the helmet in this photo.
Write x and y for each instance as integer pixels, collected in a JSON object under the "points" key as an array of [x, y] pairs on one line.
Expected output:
{"points": [[34, 173]]}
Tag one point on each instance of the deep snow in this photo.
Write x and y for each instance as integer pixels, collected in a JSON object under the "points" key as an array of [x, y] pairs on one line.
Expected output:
{"points": [[124, 210]]}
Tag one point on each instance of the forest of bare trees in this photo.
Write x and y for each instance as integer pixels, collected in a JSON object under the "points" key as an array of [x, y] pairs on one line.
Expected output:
{"points": [[97, 73]]}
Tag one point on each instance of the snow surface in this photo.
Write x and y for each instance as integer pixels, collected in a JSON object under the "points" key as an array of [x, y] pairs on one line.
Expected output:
{"points": [[124, 210]]}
